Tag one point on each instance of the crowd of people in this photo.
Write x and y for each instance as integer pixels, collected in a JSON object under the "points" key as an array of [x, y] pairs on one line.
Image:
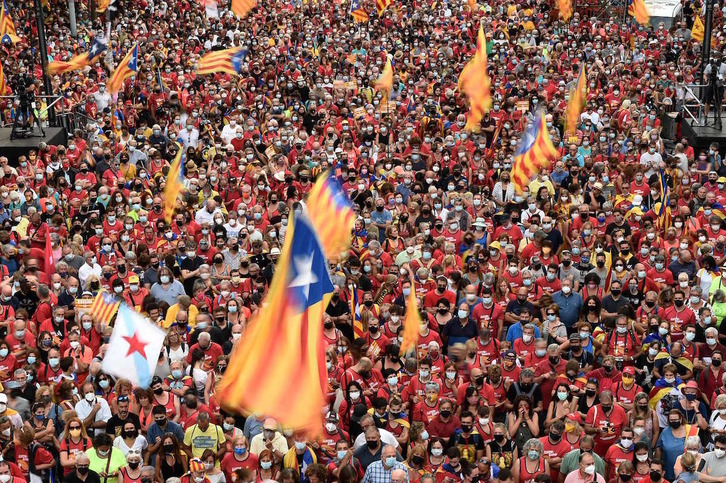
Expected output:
{"points": [[572, 329]]}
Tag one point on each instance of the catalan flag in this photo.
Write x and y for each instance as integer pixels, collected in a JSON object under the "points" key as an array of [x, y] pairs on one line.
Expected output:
{"points": [[174, 183], [357, 12], [565, 8], [639, 10], [698, 30], [331, 213], [104, 307], [382, 5], [411, 323], [3, 83], [385, 80], [355, 312], [7, 27], [242, 7], [534, 154], [664, 207], [474, 82], [229, 61], [102, 5], [126, 68], [576, 103], [79, 61], [278, 367]]}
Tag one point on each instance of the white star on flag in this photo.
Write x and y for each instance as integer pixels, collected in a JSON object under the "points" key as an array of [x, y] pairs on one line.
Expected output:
{"points": [[304, 274]]}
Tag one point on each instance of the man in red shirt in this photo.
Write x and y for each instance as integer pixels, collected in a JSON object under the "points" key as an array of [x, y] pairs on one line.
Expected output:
{"points": [[679, 315], [212, 350], [622, 451], [489, 315], [546, 372], [605, 421], [555, 447]]}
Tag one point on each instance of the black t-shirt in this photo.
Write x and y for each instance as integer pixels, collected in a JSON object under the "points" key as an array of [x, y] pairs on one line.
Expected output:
{"points": [[191, 264], [91, 477], [115, 424]]}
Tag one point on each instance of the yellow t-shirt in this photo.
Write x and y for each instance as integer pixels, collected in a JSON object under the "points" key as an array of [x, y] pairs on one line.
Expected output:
{"points": [[199, 440]]}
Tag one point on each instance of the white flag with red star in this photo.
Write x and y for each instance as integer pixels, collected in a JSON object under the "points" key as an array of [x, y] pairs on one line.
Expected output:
{"points": [[134, 348]]}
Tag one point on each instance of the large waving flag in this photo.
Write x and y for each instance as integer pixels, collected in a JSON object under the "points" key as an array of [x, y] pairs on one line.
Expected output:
{"points": [[385, 80], [357, 12], [411, 323], [79, 61], [382, 5], [126, 68], [576, 103], [3, 82], [474, 82], [8, 33], [698, 30], [242, 7], [174, 183], [133, 350], [565, 8], [639, 10], [331, 213], [278, 367], [535, 154], [229, 61]]}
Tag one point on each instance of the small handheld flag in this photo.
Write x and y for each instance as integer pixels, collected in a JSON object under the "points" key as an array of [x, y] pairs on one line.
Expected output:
{"points": [[104, 307], [357, 12], [411, 323]]}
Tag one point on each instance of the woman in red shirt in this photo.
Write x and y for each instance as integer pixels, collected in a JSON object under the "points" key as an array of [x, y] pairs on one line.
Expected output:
{"points": [[76, 441]]}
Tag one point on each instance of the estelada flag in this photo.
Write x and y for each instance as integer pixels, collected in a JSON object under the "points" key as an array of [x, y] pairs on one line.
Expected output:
{"points": [[278, 367], [331, 213], [134, 348]]}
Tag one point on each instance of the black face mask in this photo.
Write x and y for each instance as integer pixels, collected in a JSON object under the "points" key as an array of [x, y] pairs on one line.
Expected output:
{"points": [[443, 311], [715, 362], [417, 460], [372, 444], [373, 329], [159, 391], [82, 470], [678, 303], [650, 304], [365, 374], [655, 476], [554, 360], [328, 325], [130, 434], [600, 263], [555, 436], [162, 423], [445, 413], [625, 477], [674, 424], [615, 291], [498, 438], [590, 392], [479, 381], [608, 369], [466, 428], [606, 408], [133, 464]]}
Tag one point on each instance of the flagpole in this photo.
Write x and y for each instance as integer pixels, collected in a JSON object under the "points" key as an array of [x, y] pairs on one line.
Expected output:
{"points": [[706, 47], [43, 47], [72, 17]]}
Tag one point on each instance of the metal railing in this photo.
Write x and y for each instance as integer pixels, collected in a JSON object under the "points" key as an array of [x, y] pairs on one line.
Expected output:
{"points": [[692, 104]]}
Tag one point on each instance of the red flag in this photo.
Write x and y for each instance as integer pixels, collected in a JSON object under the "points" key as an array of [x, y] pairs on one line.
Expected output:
{"points": [[49, 261]]}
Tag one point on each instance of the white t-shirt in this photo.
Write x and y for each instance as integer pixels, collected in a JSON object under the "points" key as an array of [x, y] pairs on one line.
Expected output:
{"points": [[140, 444]]}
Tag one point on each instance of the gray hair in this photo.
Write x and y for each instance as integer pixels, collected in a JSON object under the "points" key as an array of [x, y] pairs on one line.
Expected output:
{"points": [[533, 443]]}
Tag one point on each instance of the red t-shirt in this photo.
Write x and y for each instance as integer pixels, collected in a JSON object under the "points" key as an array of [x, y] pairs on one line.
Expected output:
{"points": [[230, 464], [73, 449]]}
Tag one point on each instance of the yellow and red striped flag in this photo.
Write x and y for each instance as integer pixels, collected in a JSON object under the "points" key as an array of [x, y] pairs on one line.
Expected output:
{"points": [[331, 213], [474, 82], [382, 5], [639, 10], [7, 27], [102, 5], [104, 307], [3, 82], [385, 80], [698, 30], [411, 323], [278, 367], [174, 183], [242, 7], [126, 68], [565, 8], [79, 61], [229, 61], [576, 103], [535, 154]]}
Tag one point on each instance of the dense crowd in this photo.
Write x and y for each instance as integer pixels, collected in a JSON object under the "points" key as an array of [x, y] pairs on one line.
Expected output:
{"points": [[572, 331]]}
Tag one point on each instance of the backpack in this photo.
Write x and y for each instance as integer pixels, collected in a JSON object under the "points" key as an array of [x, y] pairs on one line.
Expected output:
{"points": [[44, 476]]}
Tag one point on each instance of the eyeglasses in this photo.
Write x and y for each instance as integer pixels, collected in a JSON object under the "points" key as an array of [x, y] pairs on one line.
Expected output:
{"points": [[74, 427], [122, 399]]}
